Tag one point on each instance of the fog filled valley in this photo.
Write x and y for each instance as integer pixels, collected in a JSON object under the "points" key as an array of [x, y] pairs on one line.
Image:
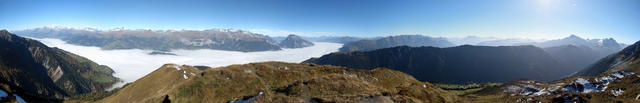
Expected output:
{"points": [[132, 64], [106, 66], [319, 51]]}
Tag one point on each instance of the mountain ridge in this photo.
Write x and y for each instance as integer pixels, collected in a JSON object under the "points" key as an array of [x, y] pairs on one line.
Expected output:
{"points": [[38, 71], [460, 64], [626, 59], [392, 41], [278, 82], [164, 40]]}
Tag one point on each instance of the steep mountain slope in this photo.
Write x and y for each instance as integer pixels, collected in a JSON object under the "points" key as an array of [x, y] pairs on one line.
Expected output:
{"points": [[33, 69], [459, 64], [626, 60], [575, 58], [294, 41], [392, 41], [278, 82], [219, 39]]}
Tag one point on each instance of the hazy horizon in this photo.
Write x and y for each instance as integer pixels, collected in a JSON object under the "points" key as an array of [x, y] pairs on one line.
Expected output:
{"points": [[534, 19], [488, 37]]}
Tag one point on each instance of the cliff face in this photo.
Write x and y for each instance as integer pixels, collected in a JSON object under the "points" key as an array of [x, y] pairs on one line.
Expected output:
{"points": [[278, 82], [37, 70]]}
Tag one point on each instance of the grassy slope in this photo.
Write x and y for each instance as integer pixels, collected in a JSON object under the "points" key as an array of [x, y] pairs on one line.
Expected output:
{"points": [[100, 73], [280, 82]]}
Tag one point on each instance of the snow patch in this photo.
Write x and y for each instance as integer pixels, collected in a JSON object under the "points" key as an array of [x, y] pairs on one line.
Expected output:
{"points": [[580, 85], [617, 92], [184, 74], [582, 81], [177, 67]]}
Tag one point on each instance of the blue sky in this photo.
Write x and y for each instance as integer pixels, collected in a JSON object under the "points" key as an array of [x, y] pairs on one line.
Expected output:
{"points": [[535, 19]]}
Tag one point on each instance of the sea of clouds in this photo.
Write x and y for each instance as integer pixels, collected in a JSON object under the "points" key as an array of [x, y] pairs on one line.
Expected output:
{"points": [[132, 64]]}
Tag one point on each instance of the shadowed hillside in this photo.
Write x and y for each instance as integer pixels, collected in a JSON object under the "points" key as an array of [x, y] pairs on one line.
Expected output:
{"points": [[37, 72], [459, 64]]}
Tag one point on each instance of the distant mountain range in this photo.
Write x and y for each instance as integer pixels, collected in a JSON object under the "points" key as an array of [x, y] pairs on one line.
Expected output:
{"points": [[38, 73], [294, 41], [507, 42], [337, 39], [392, 41], [625, 60], [276, 82], [575, 57], [163, 40], [470, 40], [574, 52], [458, 65]]}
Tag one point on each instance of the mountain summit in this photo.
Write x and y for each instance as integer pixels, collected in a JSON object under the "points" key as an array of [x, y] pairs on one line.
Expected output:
{"points": [[295, 41]]}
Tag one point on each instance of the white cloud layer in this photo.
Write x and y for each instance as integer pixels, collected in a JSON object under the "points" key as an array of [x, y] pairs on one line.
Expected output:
{"points": [[132, 64]]}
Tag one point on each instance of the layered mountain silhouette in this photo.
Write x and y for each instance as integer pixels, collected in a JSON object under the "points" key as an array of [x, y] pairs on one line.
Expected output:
{"points": [[625, 60], [38, 73], [295, 41], [278, 82], [164, 40], [392, 41], [575, 58], [335, 39], [507, 42], [459, 64], [614, 78]]}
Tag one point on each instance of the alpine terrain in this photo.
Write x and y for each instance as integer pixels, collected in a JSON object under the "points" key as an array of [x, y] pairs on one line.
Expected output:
{"points": [[38, 73]]}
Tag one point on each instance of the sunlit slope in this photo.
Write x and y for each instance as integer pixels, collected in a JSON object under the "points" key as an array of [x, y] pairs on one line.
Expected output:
{"points": [[278, 82]]}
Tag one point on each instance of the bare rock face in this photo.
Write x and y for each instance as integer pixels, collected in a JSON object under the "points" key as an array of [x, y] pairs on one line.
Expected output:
{"points": [[294, 41]]}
